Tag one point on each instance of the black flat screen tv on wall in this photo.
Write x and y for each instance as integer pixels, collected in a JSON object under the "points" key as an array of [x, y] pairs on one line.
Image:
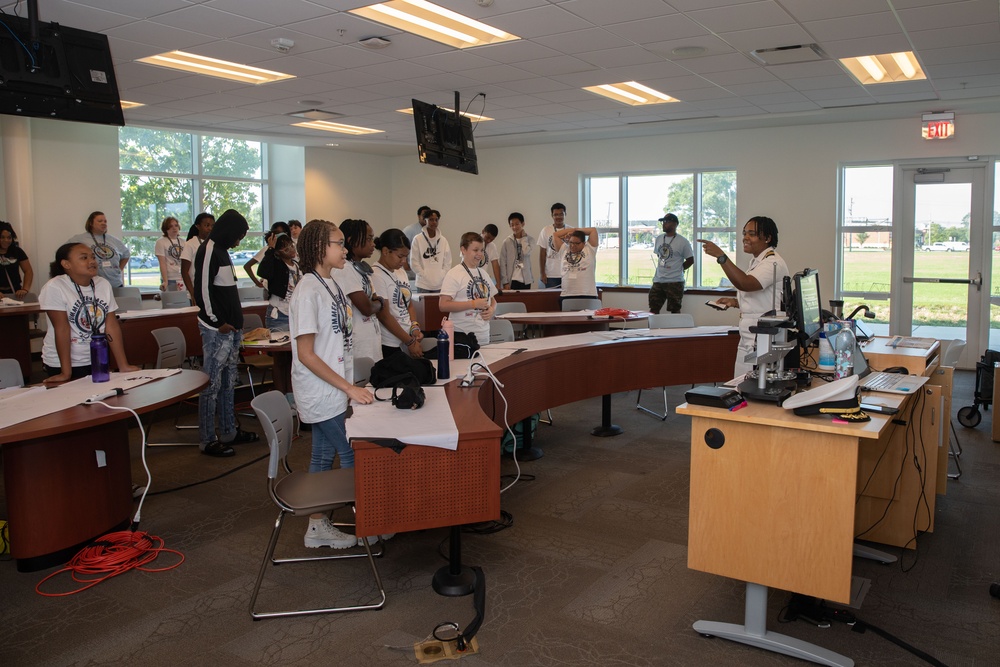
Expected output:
{"points": [[65, 74], [444, 138]]}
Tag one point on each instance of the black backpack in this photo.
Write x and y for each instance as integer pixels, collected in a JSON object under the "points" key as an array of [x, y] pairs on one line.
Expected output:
{"points": [[398, 364]]}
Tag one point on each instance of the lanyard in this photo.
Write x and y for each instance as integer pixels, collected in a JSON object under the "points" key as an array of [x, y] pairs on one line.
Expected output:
{"points": [[365, 272], [476, 289], [517, 248], [433, 250], [327, 286], [89, 311]]}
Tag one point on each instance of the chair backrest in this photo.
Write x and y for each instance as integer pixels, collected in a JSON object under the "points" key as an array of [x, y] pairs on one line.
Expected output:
{"points": [[172, 347], [30, 297], [10, 373], [275, 416], [127, 303], [671, 321], [362, 370], [251, 321], [251, 293], [126, 291], [581, 303], [175, 299], [953, 352], [512, 307], [501, 331]]}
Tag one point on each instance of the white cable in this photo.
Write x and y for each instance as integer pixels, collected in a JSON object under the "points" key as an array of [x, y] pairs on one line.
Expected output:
{"points": [[149, 475], [512, 437]]}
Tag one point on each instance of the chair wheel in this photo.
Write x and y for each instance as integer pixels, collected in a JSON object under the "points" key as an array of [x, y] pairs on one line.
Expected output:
{"points": [[969, 416]]}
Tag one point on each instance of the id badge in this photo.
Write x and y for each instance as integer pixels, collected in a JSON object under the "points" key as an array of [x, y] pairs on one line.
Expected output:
{"points": [[106, 263]]}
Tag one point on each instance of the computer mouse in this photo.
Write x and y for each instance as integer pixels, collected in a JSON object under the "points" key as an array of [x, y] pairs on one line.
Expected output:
{"points": [[897, 369]]}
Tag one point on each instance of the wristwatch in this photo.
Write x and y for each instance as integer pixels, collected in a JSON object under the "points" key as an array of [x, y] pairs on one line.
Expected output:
{"points": [[722, 259]]}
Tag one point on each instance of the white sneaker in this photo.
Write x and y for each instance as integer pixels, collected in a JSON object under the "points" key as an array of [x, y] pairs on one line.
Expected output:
{"points": [[372, 539], [322, 533]]}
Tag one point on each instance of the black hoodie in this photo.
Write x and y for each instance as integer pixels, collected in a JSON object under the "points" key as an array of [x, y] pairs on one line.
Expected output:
{"points": [[215, 288]]}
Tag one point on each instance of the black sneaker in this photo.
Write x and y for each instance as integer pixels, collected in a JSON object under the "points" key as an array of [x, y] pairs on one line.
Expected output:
{"points": [[218, 449]]}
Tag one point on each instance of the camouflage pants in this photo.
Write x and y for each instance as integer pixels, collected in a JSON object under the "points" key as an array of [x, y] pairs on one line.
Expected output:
{"points": [[669, 293]]}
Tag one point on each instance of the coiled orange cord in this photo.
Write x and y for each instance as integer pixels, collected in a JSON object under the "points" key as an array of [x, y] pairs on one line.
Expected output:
{"points": [[111, 555]]}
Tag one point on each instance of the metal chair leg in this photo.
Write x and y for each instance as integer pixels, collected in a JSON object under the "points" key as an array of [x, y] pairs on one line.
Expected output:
{"points": [[640, 406], [546, 421], [955, 454]]}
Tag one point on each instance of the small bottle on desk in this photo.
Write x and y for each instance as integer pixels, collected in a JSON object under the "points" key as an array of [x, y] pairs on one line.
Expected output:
{"points": [[99, 358]]}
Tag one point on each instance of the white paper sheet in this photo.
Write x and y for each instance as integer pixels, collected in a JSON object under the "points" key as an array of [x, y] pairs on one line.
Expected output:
{"points": [[431, 426]]}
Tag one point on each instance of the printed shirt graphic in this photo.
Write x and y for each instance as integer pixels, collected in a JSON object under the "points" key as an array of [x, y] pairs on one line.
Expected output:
{"points": [[552, 263], [578, 271], [467, 285], [394, 288], [59, 294], [321, 308], [367, 330], [109, 252], [670, 255], [171, 252]]}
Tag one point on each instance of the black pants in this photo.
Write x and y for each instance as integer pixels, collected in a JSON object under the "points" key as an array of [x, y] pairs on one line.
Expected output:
{"points": [[514, 284]]}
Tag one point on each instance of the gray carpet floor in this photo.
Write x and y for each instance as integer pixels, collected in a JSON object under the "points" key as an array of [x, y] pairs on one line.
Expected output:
{"points": [[592, 570]]}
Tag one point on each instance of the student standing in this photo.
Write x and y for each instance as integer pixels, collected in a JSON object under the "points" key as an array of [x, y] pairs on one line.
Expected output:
{"points": [[13, 261], [515, 256], [282, 273], [168, 251], [673, 256], [356, 281], [220, 321], [491, 254], [468, 292], [576, 250], [400, 329], [430, 255], [78, 303], [196, 236], [548, 262], [322, 362], [112, 255]]}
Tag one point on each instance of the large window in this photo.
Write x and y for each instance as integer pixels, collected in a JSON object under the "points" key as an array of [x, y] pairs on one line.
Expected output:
{"points": [[625, 210], [180, 174], [865, 234]]}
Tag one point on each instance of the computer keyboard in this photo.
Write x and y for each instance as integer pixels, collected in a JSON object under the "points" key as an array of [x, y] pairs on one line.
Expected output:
{"points": [[882, 381]]}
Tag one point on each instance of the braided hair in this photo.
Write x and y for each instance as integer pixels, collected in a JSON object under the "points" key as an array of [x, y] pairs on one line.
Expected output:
{"points": [[312, 243]]}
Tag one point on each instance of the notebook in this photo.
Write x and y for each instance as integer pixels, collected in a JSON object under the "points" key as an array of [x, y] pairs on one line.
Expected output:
{"points": [[886, 383]]}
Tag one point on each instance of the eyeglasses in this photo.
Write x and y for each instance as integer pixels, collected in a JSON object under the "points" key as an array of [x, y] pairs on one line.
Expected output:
{"points": [[340, 243]]}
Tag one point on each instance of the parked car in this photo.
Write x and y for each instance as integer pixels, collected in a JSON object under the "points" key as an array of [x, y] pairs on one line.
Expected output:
{"points": [[939, 246], [141, 262]]}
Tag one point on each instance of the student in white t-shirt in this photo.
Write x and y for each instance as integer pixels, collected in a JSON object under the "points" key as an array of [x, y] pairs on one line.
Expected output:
{"points": [[168, 249], [577, 253], [321, 327], [400, 329], [356, 281], [198, 234], [78, 303], [468, 292], [491, 253], [430, 255]]}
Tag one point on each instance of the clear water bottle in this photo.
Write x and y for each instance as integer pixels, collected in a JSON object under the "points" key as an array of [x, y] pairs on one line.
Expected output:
{"points": [[99, 358], [843, 351], [444, 370], [826, 360]]}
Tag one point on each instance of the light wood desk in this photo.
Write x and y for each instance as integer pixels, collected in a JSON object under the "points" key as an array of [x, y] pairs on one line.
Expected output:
{"points": [[777, 501]]}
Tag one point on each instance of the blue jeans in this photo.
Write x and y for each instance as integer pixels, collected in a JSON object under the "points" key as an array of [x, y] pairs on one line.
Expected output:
{"points": [[329, 438], [276, 323], [222, 353], [553, 282]]}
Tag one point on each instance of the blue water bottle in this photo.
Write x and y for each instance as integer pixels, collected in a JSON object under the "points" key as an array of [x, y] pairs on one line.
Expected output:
{"points": [[99, 358], [444, 372]]}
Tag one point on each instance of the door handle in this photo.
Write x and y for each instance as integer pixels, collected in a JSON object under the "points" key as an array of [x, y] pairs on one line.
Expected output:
{"points": [[977, 281]]}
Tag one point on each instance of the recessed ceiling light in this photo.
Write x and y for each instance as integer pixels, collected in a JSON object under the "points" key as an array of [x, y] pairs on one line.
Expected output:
{"points": [[316, 114], [336, 127], [433, 22], [131, 105], [374, 42], [884, 68], [631, 93], [190, 62], [688, 51], [470, 116]]}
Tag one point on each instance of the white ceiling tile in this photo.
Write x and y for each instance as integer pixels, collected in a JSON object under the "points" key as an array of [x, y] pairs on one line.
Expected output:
{"points": [[852, 27], [709, 64], [940, 38], [960, 54], [660, 29], [498, 73], [274, 13], [602, 12], [540, 21], [140, 9], [776, 98], [789, 107], [692, 5], [810, 10], [520, 51], [620, 57], [755, 76], [864, 46], [711, 45], [166, 38], [767, 38], [825, 95], [822, 82], [742, 16], [347, 57], [199, 18], [816, 69], [973, 12]]}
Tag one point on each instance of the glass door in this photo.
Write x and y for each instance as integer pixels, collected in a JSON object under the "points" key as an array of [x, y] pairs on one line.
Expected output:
{"points": [[941, 265]]}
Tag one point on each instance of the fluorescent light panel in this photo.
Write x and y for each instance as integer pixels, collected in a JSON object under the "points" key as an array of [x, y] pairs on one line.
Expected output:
{"points": [[190, 62], [471, 116], [632, 93], [884, 68], [426, 19], [336, 127]]}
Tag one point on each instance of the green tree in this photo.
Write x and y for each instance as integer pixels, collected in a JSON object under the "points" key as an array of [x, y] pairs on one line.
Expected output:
{"points": [[718, 203], [862, 237]]}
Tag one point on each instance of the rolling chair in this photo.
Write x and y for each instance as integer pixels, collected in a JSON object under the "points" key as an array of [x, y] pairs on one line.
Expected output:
{"points": [[127, 303], [171, 353], [581, 303], [126, 291], [520, 330], [501, 331], [253, 293], [302, 493], [664, 321], [35, 331], [10, 373], [175, 299], [362, 370]]}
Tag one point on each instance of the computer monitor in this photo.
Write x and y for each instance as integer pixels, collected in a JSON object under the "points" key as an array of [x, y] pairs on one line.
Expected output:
{"points": [[809, 314]]}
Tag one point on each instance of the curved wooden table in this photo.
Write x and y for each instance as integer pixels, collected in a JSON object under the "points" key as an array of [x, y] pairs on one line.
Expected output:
{"points": [[58, 497], [427, 487], [560, 323]]}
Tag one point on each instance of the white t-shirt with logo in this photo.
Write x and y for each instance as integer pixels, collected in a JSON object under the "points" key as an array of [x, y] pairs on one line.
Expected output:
{"points": [[99, 303], [578, 270], [189, 251], [463, 284], [171, 252], [320, 307], [394, 287], [367, 332], [430, 259], [545, 241]]}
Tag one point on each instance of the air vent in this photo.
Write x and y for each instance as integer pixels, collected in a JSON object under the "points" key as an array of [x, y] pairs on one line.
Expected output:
{"points": [[786, 55]]}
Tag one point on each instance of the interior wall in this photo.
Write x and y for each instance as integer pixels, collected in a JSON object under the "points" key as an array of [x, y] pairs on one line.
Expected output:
{"points": [[341, 185]]}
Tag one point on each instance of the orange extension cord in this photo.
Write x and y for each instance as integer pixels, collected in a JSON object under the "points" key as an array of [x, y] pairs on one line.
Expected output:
{"points": [[111, 555]]}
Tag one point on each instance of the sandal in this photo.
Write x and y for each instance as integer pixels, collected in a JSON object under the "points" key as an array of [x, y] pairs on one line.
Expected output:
{"points": [[243, 437]]}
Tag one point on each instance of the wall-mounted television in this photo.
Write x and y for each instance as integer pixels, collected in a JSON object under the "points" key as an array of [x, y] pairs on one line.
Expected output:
{"points": [[444, 138], [62, 73]]}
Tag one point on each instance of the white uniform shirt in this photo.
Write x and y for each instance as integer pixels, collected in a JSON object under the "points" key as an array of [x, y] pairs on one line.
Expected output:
{"points": [[60, 294], [367, 332], [395, 289], [189, 251], [330, 318], [463, 284]]}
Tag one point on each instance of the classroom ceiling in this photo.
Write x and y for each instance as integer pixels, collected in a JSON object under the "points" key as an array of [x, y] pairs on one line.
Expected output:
{"points": [[698, 51]]}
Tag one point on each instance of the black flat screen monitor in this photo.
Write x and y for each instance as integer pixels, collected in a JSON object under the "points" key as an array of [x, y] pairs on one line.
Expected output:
{"points": [[68, 74], [809, 317], [444, 138]]}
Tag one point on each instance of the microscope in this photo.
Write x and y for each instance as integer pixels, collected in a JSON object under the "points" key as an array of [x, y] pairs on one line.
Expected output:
{"points": [[769, 381]]}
